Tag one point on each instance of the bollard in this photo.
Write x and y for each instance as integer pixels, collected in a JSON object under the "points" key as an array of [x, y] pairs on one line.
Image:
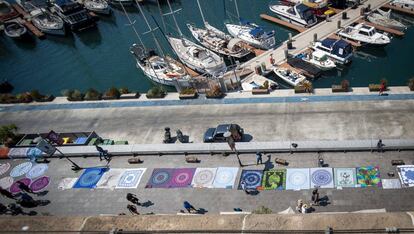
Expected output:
{"points": [[328, 19], [344, 16], [263, 67], [289, 45], [339, 24], [286, 53], [368, 8], [290, 36], [315, 37], [258, 70], [362, 11]]}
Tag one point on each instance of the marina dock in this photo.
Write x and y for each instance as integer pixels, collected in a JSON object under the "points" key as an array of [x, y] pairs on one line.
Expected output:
{"points": [[382, 28], [282, 23], [353, 43], [322, 30], [24, 20], [408, 11]]}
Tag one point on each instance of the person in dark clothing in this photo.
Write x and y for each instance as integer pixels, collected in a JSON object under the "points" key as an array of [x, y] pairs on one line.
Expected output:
{"points": [[315, 197], [380, 146], [259, 158], [133, 198], [24, 187], [133, 209], [189, 207], [103, 153], [6, 193]]}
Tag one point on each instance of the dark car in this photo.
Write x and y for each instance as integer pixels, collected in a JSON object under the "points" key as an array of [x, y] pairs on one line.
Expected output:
{"points": [[217, 134]]}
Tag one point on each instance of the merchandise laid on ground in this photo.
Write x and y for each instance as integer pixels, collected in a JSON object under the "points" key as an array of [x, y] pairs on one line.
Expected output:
{"points": [[221, 177]]}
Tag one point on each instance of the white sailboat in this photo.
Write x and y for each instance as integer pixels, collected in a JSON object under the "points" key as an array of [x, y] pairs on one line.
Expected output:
{"points": [[383, 18], [195, 56], [216, 40], [365, 34], [252, 33], [160, 69]]}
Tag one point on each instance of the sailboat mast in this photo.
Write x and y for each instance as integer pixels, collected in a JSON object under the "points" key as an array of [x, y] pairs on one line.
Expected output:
{"points": [[133, 27], [161, 14], [175, 20], [151, 30], [201, 12], [237, 10]]}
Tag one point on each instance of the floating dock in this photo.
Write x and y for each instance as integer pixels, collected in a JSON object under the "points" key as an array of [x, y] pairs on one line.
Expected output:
{"points": [[254, 50], [353, 43], [408, 11], [382, 28], [283, 23], [27, 23]]}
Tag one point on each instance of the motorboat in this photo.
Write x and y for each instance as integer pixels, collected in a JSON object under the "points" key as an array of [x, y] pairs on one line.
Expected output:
{"points": [[160, 70], [339, 51], [403, 3], [7, 12], [299, 14], [197, 57], [217, 41], [319, 7], [289, 76], [73, 14], [252, 34], [47, 22], [318, 59], [14, 29], [97, 6], [383, 18], [365, 34]]}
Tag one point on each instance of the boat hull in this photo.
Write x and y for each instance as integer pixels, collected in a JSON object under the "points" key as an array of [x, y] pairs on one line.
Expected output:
{"points": [[241, 32]]}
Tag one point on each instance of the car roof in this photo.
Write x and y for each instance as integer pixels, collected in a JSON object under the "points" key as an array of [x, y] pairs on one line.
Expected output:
{"points": [[222, 128]]}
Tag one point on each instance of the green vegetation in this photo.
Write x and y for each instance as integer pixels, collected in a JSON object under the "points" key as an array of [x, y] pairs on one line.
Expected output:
{"points": [[262, 210], [265, 85], [112, 93], [188, 91], [73, 95], [123, 90], [8, 134], [411, 84], [215, 92], [345, 85], [92, 94]]}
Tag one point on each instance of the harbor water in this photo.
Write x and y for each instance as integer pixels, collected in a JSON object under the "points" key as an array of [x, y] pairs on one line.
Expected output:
{"points": [[100, 58]]}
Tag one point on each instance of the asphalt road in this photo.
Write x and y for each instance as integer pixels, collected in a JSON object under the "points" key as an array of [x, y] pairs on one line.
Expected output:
{"points": [[263, 122], [169, 201]]}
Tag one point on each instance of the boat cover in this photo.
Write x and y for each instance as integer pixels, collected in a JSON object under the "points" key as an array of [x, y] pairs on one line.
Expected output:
{"points": [[233, 42], [256, 32]]}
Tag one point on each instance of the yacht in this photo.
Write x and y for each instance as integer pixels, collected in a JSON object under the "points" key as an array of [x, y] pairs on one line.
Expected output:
{"points": [[6, 11], [338, 50], [197, 57], [319, 59], [403, 3], [365, 34], [219, 42], [383, 18], [299, 14], [252, 34], [73, 14], [291, 77], [14, 30], [160, 70], [97, 6], [47, 22]]}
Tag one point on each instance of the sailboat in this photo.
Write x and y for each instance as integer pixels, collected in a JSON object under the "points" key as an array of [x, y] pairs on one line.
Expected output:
{"points": [[160, 69], [252, 33], [216, 40], [384, 18], [194, 56]]}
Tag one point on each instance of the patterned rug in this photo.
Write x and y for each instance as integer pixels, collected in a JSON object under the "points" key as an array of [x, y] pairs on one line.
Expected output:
{"points": [[274, 179], [321, 177], [21, 169], [67, 183], [203, 177], [297, 179], [252, 178], [37, 170], [182, 178], [18, 152], [6, 182], [33, 153], [391, 183], [130, 178], [406, 174], [110, 179], [225, 177], [160, 178], [4, 167], [40, 183], [14, 188], [345, 177], [368, 176], [90, 177]]}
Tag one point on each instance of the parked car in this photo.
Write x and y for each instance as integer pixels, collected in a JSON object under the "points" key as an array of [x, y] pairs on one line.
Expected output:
{"points": [[217, 134]]}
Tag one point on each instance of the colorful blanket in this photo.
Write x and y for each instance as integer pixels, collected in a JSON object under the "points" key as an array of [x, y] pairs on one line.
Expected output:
{"points": [[274, 179]]}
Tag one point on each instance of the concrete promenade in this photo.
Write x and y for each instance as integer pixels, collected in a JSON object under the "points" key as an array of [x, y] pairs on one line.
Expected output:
{"points": [[323, 30]]}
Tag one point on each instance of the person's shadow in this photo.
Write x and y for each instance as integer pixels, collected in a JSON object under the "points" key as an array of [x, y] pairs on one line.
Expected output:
{"points": [[268, 164], [324, 201], [147, 204], [201, 211]]}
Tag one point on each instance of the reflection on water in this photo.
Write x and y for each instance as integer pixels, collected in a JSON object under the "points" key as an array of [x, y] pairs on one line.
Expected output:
{"points": [[28, 42], [91, 37]]}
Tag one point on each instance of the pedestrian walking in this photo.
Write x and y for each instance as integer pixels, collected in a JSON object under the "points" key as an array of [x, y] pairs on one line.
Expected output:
{"points": [[259, 158], [24, 187], [103, 153], [133, 209], [315, 197], [380, 145], [299, 206], [272, 60], [6, 193], [133, 198], [189, 207], [382, 89], [243, 186]]}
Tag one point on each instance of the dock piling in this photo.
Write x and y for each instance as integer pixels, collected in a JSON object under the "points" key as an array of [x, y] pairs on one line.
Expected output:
{"points": [[315, 37], [286, 53], [339, 24]]}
